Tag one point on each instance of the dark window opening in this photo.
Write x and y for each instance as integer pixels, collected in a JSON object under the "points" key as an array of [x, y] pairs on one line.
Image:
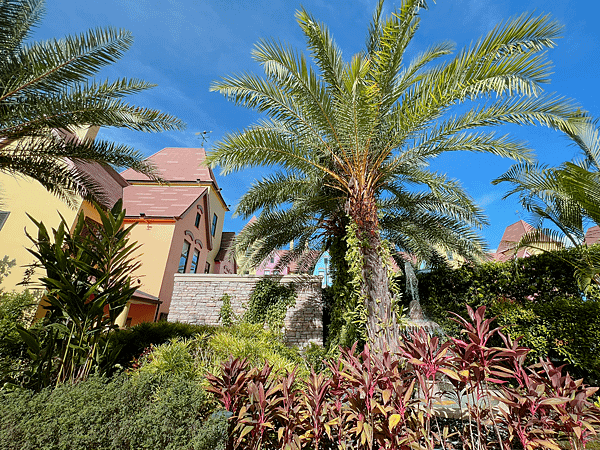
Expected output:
{"points": [[163, 317], [195, 257], [207, 267], [185, 252], [3, 216], [197, 222], [214, 224]]}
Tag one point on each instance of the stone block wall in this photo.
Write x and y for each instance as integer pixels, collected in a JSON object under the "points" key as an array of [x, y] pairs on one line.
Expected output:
{"points": [[197, 299]]}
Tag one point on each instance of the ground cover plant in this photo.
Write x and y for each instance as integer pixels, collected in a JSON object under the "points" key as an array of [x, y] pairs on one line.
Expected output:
{"points": [[146, 411], [391, 401]]}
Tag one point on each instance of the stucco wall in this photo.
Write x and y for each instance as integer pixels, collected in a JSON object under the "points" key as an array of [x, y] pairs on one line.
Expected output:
{"points": [[197, 299]]}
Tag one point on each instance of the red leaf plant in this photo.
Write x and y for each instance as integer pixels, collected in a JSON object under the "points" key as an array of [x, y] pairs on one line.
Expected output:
{"points": [[385, 401]]}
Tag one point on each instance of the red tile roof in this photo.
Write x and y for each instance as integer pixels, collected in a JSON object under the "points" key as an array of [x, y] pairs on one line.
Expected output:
{"points": [[176, 165], [592, 235], [513, 234], [160, 201], [108, 181]]}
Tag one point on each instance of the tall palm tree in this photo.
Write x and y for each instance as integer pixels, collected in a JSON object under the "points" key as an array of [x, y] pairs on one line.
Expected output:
{"points": [[361, 125], [566, 197], [45, 91]]}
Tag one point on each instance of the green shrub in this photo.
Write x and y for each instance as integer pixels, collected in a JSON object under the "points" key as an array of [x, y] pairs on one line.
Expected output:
{"points": [[133, 341], [252, 342], [142, 412], [536, 298], [14, 307], [206, 352]]}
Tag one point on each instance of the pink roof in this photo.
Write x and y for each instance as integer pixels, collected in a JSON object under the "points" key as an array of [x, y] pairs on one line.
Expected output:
{"points": [[592, 235], [176, 164], [160, 201], [513, 234], [108, 181]]}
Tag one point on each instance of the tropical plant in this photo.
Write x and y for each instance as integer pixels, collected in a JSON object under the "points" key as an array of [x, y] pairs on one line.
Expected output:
{"points": [[396, 401], [88, 284], [566, 197], [47, 95], [367, 128]]}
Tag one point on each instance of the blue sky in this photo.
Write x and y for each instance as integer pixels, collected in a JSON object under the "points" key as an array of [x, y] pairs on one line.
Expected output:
{"points": [[184, 45]]}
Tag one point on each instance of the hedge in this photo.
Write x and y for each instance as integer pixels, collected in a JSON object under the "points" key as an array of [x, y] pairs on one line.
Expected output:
{"points": [[535, 298]]}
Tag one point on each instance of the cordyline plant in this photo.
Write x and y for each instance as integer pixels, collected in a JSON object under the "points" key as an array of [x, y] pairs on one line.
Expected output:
{"points": [[395, 401]]}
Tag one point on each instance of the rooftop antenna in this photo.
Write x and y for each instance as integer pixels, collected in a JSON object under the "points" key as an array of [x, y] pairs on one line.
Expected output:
{"points": [[203, 135]]}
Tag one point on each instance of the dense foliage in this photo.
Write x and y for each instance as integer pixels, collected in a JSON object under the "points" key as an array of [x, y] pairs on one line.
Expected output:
{"points": [[536, 298], [142, 412], [131, 342], [370, 401], [15, 309], [87, 283], [268, 303]]}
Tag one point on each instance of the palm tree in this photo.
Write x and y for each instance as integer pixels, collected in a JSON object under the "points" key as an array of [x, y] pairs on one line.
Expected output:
{"points": [[46, 95], [361, 126], [567, 197]]}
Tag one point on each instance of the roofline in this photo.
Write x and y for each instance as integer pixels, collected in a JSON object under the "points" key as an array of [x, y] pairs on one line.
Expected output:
{"points": [[208, 184], [202, 194], [154, 219]]}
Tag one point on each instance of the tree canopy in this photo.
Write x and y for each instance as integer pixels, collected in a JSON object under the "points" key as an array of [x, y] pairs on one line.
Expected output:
{"points": [[366, 128]]}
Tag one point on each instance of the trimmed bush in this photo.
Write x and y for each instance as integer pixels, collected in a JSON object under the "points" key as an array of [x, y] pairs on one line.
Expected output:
{"points": [[142, 412]]}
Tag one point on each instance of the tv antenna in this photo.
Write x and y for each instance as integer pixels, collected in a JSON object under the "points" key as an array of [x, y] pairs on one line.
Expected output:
{"points": [[203, 135]]}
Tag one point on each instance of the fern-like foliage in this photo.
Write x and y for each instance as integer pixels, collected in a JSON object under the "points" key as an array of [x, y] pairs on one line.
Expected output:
{"points": [[47, 89], [368, 127], [563, 201]]}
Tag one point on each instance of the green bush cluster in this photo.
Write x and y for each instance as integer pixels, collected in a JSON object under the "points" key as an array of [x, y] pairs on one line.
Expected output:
{"points": [[132, 342], [535, 298], [13, 310], [143, 412]]}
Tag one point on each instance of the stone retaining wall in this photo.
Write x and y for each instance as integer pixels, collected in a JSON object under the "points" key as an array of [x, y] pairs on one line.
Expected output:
{"points": [[197, 299]]}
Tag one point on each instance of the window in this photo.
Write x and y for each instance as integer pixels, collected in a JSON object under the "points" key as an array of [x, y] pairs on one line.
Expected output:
{"points": [[267, 272], [214, 224], [326, 261], [3, 217], [194, 266], [449, 256], [207, 268], [163, 317], [276, 272], [197, 222], [185, 252]]}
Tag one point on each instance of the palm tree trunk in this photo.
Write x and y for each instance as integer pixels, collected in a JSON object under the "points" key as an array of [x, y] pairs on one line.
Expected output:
{"points": [[382, 326]]}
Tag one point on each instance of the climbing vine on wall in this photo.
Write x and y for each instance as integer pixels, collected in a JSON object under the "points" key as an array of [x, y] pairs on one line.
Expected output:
{"points": [[269, 302]]}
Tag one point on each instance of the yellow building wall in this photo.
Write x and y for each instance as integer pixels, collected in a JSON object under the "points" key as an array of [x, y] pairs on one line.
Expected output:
{"points": [[19, 196], [218, 208], [154, 251]]}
